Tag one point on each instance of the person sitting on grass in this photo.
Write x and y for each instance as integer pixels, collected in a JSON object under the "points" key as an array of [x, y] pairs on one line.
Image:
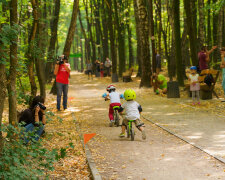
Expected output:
{"points": [[33, 118], [159, 83], [133, 110]]}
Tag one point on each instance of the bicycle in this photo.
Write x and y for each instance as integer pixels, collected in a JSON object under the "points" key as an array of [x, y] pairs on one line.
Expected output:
{"points": [[116, 117], [130, 130]]}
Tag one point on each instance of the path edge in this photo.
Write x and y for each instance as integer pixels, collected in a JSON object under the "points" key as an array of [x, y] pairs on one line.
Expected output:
{"points": [[91, 163], [183, 139]]}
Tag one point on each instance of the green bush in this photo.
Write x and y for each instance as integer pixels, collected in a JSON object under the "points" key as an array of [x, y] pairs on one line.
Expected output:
{"points": [[21, 161]]}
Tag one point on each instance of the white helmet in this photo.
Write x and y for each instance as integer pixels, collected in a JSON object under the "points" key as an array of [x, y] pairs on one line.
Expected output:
{"points": [[110, 87]]}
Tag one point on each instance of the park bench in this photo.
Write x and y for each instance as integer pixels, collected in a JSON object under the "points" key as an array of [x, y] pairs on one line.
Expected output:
{"points": [[206, 91], [127, 75]]}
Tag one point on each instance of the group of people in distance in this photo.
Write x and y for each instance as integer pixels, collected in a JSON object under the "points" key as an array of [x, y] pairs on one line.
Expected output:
{"points": [[101, 69]]}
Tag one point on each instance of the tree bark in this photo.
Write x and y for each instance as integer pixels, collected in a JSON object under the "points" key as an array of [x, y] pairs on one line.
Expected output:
{"points": [[215, 36], [201, 23], [30, 49], [13, 65], [178, 42], [51, 51], [144, 40], [138, 55], [152, 33], [3, 85], [209, 34], [70, 35], [191, 32], [120, 37], [112, 43], [41, 37], [105, 31]]}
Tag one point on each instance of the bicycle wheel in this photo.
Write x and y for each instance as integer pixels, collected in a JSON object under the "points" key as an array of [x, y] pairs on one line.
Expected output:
{"points": [[117, 119], [132, 134], [128, 131]]}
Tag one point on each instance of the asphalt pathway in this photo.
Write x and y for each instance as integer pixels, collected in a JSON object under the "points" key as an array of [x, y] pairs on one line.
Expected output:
{"points": [[161, 156]]}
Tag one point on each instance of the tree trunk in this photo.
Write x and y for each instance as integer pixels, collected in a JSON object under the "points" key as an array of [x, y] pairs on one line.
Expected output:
{"points": [[215, 31], [151, 20], [144, 40], [209, 34], [138, 55], [13, 66], [191, 32], [220, 32], [30, 49], [82, 57], [105, 31], [178, 42], [159, 9], [70, 35], [3, 82], [201, 23], [112, 43], [98, 27], [51, 51], [121, 38]]}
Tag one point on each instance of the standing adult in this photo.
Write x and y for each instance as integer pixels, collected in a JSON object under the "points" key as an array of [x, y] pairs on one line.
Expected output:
{"points": [[158, 62], [89, 69], [222, 52], [203, 57], [62, 72], [108, 65], [97, 70]]}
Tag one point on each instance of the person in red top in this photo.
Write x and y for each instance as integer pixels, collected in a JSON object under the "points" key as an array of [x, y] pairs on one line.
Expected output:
{"points": [[62, 72], [203, 57]]}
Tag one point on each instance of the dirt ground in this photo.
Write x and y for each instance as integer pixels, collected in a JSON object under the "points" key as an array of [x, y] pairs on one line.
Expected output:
{"points": [[161, 156]]}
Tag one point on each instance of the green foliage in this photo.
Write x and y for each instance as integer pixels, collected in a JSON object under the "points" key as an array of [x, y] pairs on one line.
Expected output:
{"points": [[20, 161]]}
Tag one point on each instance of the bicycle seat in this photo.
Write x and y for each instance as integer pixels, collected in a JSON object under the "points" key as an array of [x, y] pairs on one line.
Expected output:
{"points": [[116, 107]]}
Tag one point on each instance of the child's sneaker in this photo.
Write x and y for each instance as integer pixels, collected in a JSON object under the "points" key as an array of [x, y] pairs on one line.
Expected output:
{"points": [[198, 103], [143, 135], [122, 135], [193, 103], [111, 123]]}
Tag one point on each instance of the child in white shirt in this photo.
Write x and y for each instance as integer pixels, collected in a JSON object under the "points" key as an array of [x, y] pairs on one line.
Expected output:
{"points": [[133, 110]]}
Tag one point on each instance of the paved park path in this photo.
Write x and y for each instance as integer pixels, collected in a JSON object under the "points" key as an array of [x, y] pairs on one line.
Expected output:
{"points": [[162, 155]]}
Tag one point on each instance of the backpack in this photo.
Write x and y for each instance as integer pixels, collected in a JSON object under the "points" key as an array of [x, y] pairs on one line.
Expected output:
{"points": [[209, 79]]}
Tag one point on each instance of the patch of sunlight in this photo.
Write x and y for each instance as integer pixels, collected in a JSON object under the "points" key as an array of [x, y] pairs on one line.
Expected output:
{"points": [[194, 137], [87, 85], [73, 109], [171, 114], [100, 109], [168, 159]]}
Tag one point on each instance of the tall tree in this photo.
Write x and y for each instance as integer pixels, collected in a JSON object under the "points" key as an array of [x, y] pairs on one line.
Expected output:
{"points": [[105, 35], [41, 37], [144, 41], [72, 28], [120, 34], [51, 51], [151, 20], [191, 32], [29, 53], [13, 65], [201, 30], [3, 82], [112, 43], [139, 60], [178, 42]]}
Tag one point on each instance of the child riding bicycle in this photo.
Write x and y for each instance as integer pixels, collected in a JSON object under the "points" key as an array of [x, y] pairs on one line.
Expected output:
{"points": [[133, 110], [114, 98]]}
